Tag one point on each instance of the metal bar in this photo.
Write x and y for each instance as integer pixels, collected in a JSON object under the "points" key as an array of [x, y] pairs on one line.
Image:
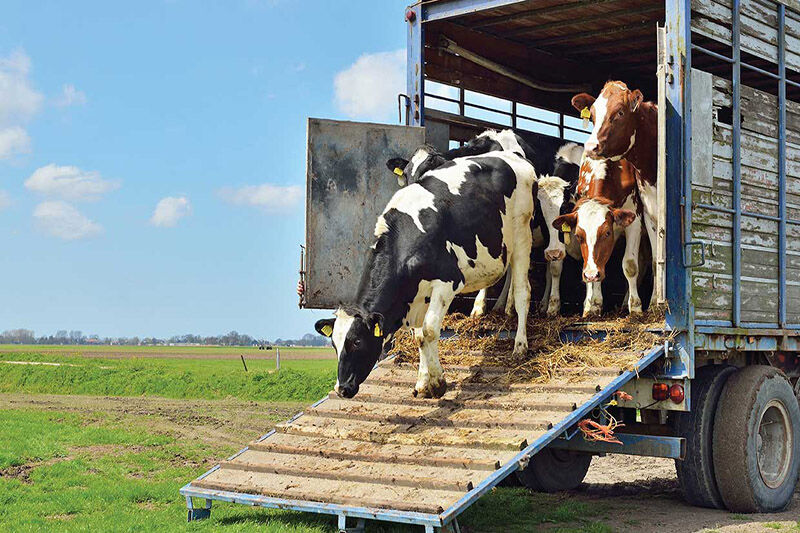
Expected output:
{"points": [[457, 8], [792, 83], [782, 164], [563, 425], [388, 515], [513, 114], [415, 65], [448, 45], [760, 71], [711, 53], [632, 444], [721, 209], [737, 162]]}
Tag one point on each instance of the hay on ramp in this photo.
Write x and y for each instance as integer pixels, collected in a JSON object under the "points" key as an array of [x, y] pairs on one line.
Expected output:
{"points": [[489, 341]]}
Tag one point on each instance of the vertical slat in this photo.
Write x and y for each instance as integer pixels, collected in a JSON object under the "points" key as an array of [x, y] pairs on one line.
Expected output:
{"points": [[782, 164], [737, 166]]}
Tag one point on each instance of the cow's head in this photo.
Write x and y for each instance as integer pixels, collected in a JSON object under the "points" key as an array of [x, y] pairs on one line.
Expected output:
{"points": [[614, 116], [552, 196], [424, 159], [358, 339], [592, 222]]}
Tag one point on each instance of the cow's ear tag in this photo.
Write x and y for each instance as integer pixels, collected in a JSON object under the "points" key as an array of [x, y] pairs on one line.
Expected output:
{"points": [[566, 230], [586, 115], [327, 330], [398, 171], [378, 332]]}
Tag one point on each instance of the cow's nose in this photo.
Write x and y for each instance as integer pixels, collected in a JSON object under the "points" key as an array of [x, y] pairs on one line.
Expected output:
{"points": [[346, 391], [554, 255], [591, 277]]}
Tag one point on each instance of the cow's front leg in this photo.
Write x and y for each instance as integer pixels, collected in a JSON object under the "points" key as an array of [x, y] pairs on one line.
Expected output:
{"points": [[548, 288], [521, 285], [593, 303], [479, 307], [652, 233], [630, 264], [430, 381], [554, 268], [502, 300]]}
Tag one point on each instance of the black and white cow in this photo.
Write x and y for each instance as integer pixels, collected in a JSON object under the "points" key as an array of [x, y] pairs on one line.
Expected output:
{"points": [[455, 230], [558, 166]]}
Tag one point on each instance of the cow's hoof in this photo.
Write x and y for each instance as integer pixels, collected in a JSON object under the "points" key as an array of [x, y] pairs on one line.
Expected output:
{"points": [[553, 308], [592, 311], [520, 349], [476, 313], [434, 389]]}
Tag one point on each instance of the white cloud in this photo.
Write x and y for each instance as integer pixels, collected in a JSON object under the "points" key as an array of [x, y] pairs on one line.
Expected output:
{"points": [[368, 88], [19, 101], [69, 183], [70, 96], [269, 198], [60, 219], [169, 210], [5, 200], [13, 141]]}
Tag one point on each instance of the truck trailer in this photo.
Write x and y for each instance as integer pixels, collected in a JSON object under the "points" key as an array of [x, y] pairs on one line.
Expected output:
{"points": [[718, 395]]}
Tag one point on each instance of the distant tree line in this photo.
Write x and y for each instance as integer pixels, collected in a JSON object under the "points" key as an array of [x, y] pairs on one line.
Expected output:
{"points": [[76, 337]]}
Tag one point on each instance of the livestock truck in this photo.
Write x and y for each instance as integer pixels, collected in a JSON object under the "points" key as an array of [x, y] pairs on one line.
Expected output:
{"points": [[719, 396]]}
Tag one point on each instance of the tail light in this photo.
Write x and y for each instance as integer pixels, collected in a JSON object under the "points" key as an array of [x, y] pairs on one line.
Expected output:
{"points": [[676, 393], [660, 391]]}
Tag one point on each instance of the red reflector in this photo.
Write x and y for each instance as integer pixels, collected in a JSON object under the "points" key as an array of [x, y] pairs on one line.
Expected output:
{"points": [[410, 16], [676, 393], [660, 391]]}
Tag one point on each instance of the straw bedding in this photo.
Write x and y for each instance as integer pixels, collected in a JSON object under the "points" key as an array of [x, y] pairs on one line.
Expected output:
{"points": [[479, 342]]}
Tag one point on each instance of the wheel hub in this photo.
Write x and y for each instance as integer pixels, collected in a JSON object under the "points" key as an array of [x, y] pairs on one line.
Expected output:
{"points": [[774, 444]]}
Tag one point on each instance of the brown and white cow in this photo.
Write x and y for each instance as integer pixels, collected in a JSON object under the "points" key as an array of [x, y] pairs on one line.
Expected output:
{"points": [[627, 127], [609, 206]]}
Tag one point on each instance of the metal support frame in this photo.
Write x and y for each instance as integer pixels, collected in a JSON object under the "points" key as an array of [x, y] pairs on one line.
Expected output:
{"points": [[737, 162], [197, 514], [632, 444], [415, 66], [456, 8], [342, 525], [678, 180]]}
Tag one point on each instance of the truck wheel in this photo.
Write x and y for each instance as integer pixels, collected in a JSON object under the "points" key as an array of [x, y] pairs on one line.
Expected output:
{"points": [[757, 441], [696, 471], [555, 470]]}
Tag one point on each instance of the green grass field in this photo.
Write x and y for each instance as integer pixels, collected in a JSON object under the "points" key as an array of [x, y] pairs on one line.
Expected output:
{"points": [[298, 380], [170, 351], [86, 464]]}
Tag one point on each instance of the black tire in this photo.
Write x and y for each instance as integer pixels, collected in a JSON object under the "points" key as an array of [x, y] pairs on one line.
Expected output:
{"points": [[757, 441], [696, 471], [555, 470]]}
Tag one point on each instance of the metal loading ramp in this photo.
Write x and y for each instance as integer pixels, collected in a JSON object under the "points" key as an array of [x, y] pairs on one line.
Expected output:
{"points": [[386, 455]]}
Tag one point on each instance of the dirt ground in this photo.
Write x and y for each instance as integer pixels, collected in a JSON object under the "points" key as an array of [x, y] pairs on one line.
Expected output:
{"points": [[640, 493]]}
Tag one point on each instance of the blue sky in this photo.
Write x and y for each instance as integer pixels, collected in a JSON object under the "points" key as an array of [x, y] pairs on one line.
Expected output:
{"points": [[152, 155]]}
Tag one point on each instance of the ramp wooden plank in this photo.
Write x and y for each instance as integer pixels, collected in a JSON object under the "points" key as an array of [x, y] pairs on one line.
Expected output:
{"points": [[356, 470], [506, 401], [451, 457], [379, 432], [330, 491], [438, 415]]}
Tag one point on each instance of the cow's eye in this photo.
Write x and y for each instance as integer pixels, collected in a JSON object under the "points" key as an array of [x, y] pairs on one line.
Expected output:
{"points": [[356, 343], [621, 112], [608, 233]]}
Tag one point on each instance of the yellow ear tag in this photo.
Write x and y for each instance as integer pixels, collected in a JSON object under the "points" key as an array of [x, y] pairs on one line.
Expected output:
{"points": [[398, 171], [566, 230], [586, 115], [378, 332], [327, 330]]}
